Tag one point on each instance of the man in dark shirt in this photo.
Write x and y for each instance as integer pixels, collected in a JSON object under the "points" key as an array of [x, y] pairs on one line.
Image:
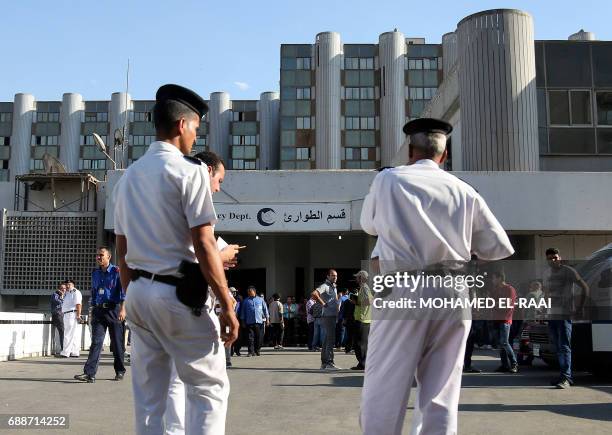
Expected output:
{"points": [[559, 287], [57, 317], [107, 298]]}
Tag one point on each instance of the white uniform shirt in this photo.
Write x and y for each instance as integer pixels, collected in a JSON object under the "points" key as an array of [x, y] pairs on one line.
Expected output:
{"points": [[71, 300], [158, 199], [424, 215]]}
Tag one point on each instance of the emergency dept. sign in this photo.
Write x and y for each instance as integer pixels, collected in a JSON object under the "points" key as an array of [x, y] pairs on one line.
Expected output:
{"points": [[283, 217]]}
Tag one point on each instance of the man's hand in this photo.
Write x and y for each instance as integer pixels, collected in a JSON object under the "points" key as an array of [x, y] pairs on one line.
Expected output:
{"points": [[122, 313], [229, 253], [229, 326]]}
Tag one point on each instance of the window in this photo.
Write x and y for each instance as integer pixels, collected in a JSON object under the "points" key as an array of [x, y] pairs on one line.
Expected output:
{"points": [[303, 63], [244, 140], [604, 108], [359, 123], [36, 165], [6, 117], [140, 140], [5, 140], [351, 63], [238, 116], [47, 117], [201, 141], [366, 93], [570, 107], [415, 63], [302, 123], [430, 64], [45, 140], [243, 164], [581, 107], [96, 116], [142, 117], [602, 64], [89, 140], [302, 153], [93, 164], [366, 63], [558, 102], [303, 93]]}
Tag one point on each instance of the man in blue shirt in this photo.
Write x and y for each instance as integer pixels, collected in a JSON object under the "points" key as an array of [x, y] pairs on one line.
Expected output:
{"points": [[252, 314], [107, 298], [57, 317]]}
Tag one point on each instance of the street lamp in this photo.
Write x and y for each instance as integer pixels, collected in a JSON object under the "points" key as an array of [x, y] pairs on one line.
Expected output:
{"points": [[102, 147]]}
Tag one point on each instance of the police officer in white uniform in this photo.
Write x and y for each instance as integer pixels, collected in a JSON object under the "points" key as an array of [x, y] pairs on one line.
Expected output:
{"points": [[71, 308], [164, 216], [423, 216]]}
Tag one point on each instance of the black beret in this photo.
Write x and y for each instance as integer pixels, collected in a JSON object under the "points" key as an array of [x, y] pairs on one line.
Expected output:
{"points": [[427, 125], [182, 95]]}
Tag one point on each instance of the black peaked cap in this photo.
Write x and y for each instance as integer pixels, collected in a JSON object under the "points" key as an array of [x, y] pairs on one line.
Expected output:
{"points": [[182, 95], [427, 125]]}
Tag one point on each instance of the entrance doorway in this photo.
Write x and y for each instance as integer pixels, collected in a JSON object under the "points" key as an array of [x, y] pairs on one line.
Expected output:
{"points": [[242, 278]]}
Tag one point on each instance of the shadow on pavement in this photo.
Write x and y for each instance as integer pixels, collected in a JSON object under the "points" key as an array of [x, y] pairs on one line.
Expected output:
{"points": [[590, 411]]}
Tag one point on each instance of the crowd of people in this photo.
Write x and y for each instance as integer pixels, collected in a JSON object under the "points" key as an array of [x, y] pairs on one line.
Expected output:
{"points": [[329, 320]]}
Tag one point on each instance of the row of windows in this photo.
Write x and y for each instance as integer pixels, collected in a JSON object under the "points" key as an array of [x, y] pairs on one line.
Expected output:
{"points": [[6, 116], [359, 138], [358, 63], [575, 140], [358, 154], [141, 117], [421, 93], [89, 140], [244, 152], [359, 93], [45, 140], [290, 153], [243, 164], [92, 164], [141, 139], [423, 78], [359, 123], [244, 140], [289, 63], [47, 116], [299, 123], [575, 107], [96, 116], [435, 63]]}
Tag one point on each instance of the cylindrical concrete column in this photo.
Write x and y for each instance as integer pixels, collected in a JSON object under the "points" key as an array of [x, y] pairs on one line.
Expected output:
{"points": [[328, 67], [121, 104], [497, 91], [269, 118], [24, 108], [449, 52], [219, 118], [70, 138], [392, 55]]}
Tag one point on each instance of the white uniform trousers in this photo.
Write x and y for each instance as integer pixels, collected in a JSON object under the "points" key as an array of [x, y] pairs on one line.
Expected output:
{"points": [[72, 335], [399, 350], [174, 417], [165, 331]]}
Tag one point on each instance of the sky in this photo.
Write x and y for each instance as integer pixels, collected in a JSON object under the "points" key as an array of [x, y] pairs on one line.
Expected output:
{"points": [[53, 47]]}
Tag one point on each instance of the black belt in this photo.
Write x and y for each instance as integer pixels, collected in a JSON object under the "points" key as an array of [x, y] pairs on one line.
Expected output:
{"points": [[166, 279], [106, 305], [73, 311]]}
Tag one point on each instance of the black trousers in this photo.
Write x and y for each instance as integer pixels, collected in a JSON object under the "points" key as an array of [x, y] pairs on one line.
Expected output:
{"points": [[277, 332], [310, 334], [469, 348], [254, 330], [103, 319], [239, 342], [352, 331], [58, 321], [361, 342], [290, 338]]}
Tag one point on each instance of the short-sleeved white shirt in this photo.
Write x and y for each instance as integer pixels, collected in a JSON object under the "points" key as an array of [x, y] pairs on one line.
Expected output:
{"points": [[71, 300], [158, 199], [423, 215]]}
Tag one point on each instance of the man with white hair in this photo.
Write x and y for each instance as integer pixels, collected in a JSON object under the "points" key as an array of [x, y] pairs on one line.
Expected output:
{"points": [[423, 217]]}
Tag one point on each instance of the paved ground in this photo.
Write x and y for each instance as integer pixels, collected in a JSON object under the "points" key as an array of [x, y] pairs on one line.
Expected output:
{"points": [[284, 393]]}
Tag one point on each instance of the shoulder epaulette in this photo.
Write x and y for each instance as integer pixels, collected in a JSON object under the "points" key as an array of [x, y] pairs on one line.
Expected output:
{"points": [[193, 160]]}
